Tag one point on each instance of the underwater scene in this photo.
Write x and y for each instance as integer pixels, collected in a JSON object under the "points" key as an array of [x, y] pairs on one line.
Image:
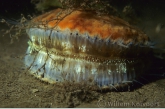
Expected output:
{"points": [[82, 53]]}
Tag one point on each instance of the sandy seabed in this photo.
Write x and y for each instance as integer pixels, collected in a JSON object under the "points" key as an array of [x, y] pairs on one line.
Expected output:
{"points": [[20, 89]]}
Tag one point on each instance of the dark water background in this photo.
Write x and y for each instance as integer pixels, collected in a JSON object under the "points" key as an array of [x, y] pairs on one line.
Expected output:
{"points": [[13, 8]]}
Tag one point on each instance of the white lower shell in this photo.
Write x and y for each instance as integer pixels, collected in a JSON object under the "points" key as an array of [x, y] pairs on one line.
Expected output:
{"points": [[54, 68]]}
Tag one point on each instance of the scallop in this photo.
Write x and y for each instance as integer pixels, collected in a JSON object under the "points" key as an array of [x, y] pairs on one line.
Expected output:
{"points": [[81, 47]]}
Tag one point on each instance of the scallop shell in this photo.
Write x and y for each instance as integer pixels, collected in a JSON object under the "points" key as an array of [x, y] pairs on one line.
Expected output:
{"points": [[81, 47]]}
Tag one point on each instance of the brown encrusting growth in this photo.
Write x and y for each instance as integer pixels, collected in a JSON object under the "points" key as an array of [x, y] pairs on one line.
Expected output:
{"points": [[89, 22]]}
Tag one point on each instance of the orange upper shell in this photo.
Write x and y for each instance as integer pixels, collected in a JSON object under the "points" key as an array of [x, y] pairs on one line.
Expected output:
{"points": [[88, 22]]}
